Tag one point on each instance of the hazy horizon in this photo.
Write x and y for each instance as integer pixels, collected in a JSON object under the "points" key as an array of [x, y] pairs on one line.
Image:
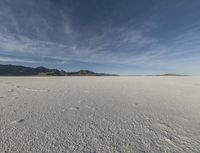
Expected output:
{"points": [[130, 37]]}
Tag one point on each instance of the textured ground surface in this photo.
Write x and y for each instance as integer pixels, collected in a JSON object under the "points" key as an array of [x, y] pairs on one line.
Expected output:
{"points": [[100, 114]]}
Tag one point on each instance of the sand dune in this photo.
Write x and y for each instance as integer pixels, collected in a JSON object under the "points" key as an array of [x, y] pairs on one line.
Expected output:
{"points": [[100, 114]]}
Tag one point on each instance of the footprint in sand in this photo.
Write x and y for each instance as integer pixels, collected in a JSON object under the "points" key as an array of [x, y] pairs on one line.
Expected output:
{"points": [[92, 126], [17, 121], [1, 97], [81, 101], [74, 108], [163, 125], [91, 108], [11, 90], [135, 104], [71, 109], [170, 141], [18, 86]]}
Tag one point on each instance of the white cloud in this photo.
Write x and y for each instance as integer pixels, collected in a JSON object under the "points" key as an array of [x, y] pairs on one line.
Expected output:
{"points": [[6, 59]]}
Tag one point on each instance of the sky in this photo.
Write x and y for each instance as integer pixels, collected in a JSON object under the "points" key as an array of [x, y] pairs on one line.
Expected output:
{"points": [[112, 36]]}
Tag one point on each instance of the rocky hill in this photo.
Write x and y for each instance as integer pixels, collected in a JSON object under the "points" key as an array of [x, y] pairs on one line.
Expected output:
{"points": [[17, 70]]}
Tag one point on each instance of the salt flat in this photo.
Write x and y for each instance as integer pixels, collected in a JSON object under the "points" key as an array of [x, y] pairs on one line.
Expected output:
{"points": [[100, 114]]}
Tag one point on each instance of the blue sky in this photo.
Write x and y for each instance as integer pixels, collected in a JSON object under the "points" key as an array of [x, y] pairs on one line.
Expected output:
{"points": [[115, 36]]}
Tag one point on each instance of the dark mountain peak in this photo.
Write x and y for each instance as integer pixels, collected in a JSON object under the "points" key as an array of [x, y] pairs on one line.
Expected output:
{"points": [[85, 72], [41, 68]]}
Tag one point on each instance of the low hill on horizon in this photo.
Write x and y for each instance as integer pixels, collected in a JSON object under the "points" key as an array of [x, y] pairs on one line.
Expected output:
{"points": [[172, 74]]}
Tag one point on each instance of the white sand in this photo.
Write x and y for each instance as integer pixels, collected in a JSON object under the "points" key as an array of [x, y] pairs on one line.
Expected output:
{"points": [[100, 114]]}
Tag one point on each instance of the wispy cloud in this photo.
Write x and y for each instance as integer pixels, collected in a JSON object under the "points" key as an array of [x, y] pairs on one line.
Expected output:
{"points": [[6, 59], [146, 41]]}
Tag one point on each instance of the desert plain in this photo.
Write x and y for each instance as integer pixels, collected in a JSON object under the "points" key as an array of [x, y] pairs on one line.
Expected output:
{"points": [[147, 114]]}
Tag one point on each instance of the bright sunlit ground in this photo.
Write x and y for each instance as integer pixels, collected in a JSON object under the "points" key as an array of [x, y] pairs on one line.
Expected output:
{"points": [[100, 114]]}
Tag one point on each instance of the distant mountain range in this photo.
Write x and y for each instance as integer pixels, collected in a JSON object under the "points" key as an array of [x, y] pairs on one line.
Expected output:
{"points": [[17, 70]]}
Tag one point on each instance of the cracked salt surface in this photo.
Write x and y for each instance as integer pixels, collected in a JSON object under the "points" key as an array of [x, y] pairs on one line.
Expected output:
{"points": [[100, 114]]}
